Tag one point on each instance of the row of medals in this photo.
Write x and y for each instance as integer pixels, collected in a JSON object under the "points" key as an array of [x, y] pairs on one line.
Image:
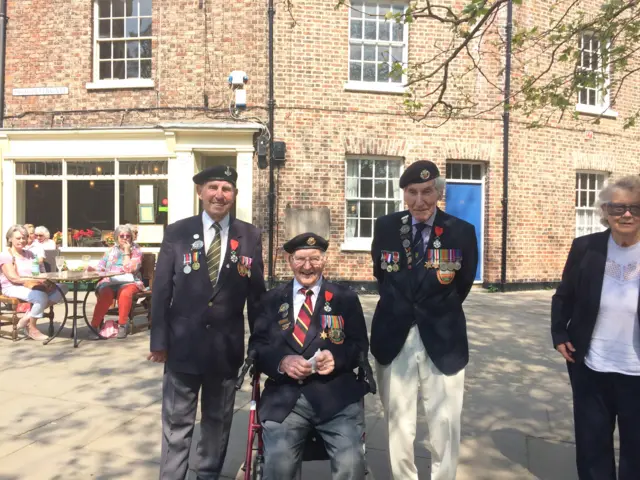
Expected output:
{"points": [[197, 245]]}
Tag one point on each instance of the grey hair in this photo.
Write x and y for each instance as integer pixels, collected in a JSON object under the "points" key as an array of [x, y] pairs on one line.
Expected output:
{"points": [[16, 228], [43, 230], [122, 228], [630, 183], [133, 228], [440, 184]]}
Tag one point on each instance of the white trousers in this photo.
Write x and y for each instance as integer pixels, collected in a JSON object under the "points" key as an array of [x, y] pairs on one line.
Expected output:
{"points": [[411, 373]]}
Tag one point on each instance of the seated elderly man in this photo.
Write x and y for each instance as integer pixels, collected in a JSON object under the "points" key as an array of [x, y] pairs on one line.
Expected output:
{"points": [[308, 339]]}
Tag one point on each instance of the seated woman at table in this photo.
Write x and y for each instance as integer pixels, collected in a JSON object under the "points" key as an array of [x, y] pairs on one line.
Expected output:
{"points": [[43, 238], [124, 258], [41, 294]]}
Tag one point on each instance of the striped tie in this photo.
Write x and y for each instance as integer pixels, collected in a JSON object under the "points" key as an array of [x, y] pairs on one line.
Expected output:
{"points": [[304, 317], [213, 255]]}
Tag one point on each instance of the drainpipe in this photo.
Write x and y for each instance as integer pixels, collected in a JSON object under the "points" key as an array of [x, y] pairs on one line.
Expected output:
{"points": [[272, 103], [3, 49], [505, 147]]}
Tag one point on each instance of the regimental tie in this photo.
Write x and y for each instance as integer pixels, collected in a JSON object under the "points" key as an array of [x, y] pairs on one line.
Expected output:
{"points": [[213, 255], [303, 321], [418, 242]]}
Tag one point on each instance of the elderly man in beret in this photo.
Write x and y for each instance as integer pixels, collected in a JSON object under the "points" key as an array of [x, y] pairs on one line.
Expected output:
{"points": [[425, 263], [309, 339], [208, 268]]}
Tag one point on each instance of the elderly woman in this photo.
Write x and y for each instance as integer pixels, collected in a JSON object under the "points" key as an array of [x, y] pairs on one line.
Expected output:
{"points": [[594, 325], [124, 258], [43, 238], [41, 294], [32, 245]]}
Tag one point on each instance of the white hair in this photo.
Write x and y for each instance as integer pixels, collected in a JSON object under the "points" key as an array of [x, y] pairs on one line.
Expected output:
{"points": [[122, 229], [440, 184], [630, 183], [44, 231]]}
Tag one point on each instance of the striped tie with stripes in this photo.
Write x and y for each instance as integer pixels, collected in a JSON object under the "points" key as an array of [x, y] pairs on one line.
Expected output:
{"points": [[213, 255], [304, 317]]}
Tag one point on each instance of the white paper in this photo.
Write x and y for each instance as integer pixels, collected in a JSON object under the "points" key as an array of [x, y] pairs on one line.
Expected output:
{"points": [[313, 361], [146, 194]]}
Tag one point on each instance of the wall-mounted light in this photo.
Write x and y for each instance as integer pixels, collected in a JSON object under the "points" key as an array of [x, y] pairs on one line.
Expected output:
{"points": [[156, 169], [98, 169], [92, 184], [37, 185]]}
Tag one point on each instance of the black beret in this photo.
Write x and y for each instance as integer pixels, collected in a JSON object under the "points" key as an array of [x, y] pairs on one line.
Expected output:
{"points": [[306, 241], [219, 172], [419, 172]]}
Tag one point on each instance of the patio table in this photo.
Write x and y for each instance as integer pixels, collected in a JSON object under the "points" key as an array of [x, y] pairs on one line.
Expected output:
{"points": [[76, 278]]}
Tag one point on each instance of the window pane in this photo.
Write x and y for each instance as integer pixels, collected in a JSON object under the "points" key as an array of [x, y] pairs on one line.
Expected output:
{"points": [[132, 27], [104, 8], [379, 209], [583, 199], [118, 8], [145, 7], [456, 171], [145, 48], [476, 173], [131, 8], [369, 72], [365, 228], [356, 29], [118, 28], [145, 27], [366, 188], [394, 169], [355, 11], [380, 190], [383, 54], [398, 29], [133, 69], [118, 70], [143, 167], [366, 209], [370, 9], [381, 169], [105, 70], [352, 208], [105, 50], [90, 205], [384, 30], [352, 187], [369, 52], [42, 201], [130, 199], [104, 30], [118, 49], [355, 52], [582, 96], [85, 168], [39, 168], [383, 72], [355, 71], [390, 189], [466, 171], [592, 97], [145, 69], [133, 49], [370, 29], [352, 228], [396, 54], [366, 168], [352, 167]]}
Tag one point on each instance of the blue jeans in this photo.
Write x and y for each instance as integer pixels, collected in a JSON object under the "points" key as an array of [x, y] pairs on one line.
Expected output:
{"points": [[39, 300], [342, 435]]}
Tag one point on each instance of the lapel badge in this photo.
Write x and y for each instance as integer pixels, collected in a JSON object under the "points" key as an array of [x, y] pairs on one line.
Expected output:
{"points": [[405, 219], [405, 229], [424, 174], [284, 323], [197, 245], [284, 309], [196, 236], [406, 243]]}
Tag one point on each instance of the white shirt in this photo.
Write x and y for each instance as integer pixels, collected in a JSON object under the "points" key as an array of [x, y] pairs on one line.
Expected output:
{"points": [[36, 249], [298, 298], [615, 343], [426, 232], [210, 234]]}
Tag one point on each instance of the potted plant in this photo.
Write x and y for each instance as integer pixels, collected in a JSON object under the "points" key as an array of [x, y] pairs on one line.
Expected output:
{"points": [[57, 238], [80, 235]]}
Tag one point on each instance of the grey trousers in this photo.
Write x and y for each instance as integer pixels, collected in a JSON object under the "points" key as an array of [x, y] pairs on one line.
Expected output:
{"points": [[342, 435], [179, 405]]}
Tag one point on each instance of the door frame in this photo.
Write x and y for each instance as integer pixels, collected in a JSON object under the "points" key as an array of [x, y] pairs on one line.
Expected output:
{"points": [[482, 183]]}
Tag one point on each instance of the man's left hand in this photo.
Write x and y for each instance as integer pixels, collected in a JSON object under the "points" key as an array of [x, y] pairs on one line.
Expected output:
{"points": [[325, 363]]}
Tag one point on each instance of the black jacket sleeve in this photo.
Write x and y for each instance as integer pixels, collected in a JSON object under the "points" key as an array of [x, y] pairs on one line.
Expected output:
{"points": [[375, 252], [563, 300], [469, 262], [162, 294], [269, 352]]}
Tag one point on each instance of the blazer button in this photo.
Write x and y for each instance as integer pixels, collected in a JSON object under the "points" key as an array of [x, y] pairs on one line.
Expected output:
{"points": [[300, 382], [211, 304], [208, 326]]}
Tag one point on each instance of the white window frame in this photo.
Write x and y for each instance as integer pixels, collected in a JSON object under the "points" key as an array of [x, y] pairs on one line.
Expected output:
{"points": [[97, 83], [363, 244], [65, 178], [375, 86], [590, 210], [603, 103]]}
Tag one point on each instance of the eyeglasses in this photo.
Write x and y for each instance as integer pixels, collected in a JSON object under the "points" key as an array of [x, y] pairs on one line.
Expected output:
{"points": [[39, 234], [619, 209], [124, 236], [315, 261]]}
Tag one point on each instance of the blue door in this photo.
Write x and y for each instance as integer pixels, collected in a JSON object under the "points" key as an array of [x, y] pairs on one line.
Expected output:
{"points": [[464, 200]]}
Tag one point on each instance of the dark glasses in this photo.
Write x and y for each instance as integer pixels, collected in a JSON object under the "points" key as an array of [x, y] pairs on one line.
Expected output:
{"points": [[124, 236], [619, 209]]}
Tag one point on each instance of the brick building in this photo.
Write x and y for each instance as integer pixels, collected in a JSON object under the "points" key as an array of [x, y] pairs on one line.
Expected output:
{"points": [[137, 100]]}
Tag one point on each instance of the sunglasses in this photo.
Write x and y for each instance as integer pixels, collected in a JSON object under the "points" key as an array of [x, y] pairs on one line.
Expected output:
{"points": [[619, 209], [124, 236]]}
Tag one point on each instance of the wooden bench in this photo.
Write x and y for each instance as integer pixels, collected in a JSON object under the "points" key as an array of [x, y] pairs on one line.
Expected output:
{"points": [[10, 307]]}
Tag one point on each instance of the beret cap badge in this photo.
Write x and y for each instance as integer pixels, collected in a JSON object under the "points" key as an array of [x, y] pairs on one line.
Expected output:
{"points": [[311, 241], [424, 174], [228, 172]]}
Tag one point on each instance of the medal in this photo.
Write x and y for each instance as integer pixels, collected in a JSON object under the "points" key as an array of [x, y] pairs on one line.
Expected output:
{"points": [[457, 265], [327, 307], [437, 243], [234, 246], [406, 243], [396, 267], [438, 231], [389, 268], [383, 265], [336, 335], [405, 229], [186, 269], [323, 335], [186, 262], [195, 266], [234, 258], [327, 299]]}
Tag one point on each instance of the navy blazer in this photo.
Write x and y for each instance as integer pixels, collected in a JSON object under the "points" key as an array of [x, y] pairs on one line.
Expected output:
{"points": [[409, 297], [272, 339], [576, 303], [201, 327]]}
